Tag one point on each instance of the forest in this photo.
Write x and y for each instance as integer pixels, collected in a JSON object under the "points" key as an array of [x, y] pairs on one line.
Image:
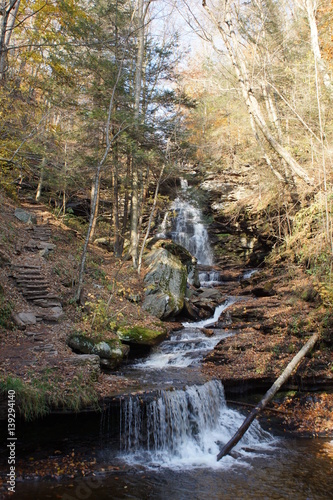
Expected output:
{"points": [[166, 184]]}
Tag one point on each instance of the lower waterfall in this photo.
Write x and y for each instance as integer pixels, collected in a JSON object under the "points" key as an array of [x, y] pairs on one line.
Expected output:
{"points": [[184, 428]]}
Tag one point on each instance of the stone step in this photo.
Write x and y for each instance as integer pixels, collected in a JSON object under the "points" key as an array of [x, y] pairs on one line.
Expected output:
{"points": [[29, 277], [29, 271], [45, 347], [39, 295], [25, 266], [41, 289], [32, 282], [34, 294], [46, 297], [32, 285], [46, 303]]}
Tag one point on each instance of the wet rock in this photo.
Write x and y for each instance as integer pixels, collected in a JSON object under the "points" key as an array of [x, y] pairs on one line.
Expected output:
{"points": [[207, 331], [210, 293], [25, 216], [205, 304], [190, 310]]}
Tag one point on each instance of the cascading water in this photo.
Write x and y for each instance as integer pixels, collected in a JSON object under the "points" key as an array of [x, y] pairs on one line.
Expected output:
{"points": [[177, 427], [187, 228], [183, 428], [187, 347]]}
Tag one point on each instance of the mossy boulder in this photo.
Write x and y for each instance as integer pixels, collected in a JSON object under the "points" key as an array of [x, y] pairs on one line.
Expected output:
{"points": [[111, 350], [166, 279], [141, 335]]}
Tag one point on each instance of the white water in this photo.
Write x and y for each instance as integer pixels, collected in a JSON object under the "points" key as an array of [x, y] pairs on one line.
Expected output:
{"points": [[210, 278], [189, 231], [184, 224], [189, 346], [250, 273], [217, 313], [185, 429]]}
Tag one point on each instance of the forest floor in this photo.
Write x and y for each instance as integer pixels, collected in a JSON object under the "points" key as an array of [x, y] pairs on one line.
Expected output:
{"points": [[277, 312]]}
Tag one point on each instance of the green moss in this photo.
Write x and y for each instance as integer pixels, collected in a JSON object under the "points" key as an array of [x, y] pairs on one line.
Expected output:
{"points": [[140, 335]]}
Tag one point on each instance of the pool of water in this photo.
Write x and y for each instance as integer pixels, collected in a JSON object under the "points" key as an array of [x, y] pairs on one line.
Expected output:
{"points": [[298, 469]]}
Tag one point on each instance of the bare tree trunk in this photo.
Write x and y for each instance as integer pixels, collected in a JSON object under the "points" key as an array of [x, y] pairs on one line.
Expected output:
{"points": [[40, 182], [310, 7], [8, 12], [94, 222], [126, 204], [134, 233], [232, 43], [134, 236], [115, 208], [150, 218], [268, 396]]}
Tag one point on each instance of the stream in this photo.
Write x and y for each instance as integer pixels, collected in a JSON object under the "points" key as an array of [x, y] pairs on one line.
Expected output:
{"points": [[175, 420]]}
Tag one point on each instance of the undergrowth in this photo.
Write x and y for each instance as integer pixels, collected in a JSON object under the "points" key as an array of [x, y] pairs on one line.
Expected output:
{"points": [[47, 390]]}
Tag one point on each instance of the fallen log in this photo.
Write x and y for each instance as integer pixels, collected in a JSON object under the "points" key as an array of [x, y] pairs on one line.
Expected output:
{"points": [[268, 396]]}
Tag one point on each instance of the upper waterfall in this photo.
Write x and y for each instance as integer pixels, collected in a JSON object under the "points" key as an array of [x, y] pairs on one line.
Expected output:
{"points": [[185, 225]]}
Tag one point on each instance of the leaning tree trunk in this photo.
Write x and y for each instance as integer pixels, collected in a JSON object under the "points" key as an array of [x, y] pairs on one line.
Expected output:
{"points": [[232, 43], [268, 396]]}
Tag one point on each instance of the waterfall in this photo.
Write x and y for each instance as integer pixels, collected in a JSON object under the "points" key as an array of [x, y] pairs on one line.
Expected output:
{"points": [[187, 228], [182, 428]]}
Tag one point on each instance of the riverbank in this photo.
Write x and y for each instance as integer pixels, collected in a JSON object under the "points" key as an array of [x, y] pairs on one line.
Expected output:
{"points": [[278, 308]]}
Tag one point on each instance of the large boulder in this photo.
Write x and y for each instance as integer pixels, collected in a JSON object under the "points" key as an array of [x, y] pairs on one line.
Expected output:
{"points": [[169, 266], [111, 350], [138, 335]]}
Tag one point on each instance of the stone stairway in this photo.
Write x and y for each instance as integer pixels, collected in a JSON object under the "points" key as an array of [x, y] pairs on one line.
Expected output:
{"points": [[31, 275], [34, 286]]}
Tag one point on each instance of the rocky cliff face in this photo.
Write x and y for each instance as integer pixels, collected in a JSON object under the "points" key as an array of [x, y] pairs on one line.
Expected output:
{"points": [[237, 233]]}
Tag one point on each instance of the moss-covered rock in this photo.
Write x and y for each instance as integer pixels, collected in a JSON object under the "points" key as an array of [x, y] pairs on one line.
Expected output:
{"points": [[141, 335], [110, 349], [166, 279]]}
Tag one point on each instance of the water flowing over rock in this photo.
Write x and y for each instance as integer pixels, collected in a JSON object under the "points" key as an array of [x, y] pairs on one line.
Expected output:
{"points": [[184, 224], [181, 427]]}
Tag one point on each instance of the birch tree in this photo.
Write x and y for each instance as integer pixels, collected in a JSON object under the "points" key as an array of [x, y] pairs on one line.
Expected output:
{"points": [[226, 23], [310, 8], [8, 12]]}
